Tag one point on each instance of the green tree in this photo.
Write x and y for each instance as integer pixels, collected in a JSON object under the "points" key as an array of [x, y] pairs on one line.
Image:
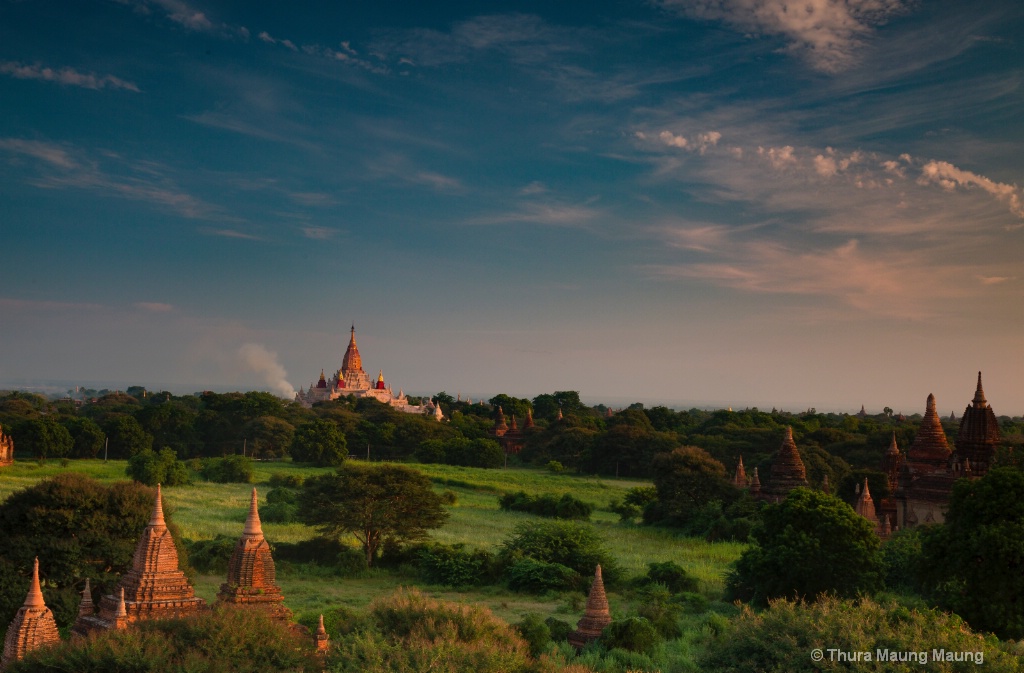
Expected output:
{"points": [[972, 563], [43, 438], [686, 479], [268, 436], [373, 503], [319, 442], [87, 437], [809, 544], [151, 468], [127, 437]]}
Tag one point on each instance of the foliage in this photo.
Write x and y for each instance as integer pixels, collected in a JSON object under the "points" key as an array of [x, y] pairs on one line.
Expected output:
{"points": [[573, 545], [78, 528], [686, 479], [972, 563], [211, 556], [555, 466], [558, 629], [224, 641], [414, 633], [566, 507], [228, 470], [87, 437], [634, 634], [322, 552], [151, 468], [454, 565], [319, 442], [373, 503], [535, 632], [902, 559], [672, 575], [127, 437], [530, 575], [783, 637], [268, 437], [43, 438], [285, 480], [811, 543]]}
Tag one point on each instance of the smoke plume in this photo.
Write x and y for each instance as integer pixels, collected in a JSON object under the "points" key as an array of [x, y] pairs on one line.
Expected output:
{"points": [[258, 359]]}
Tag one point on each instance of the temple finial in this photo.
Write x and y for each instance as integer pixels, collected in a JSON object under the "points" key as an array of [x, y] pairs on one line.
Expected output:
{"points": [[252, 522], [893, 449], [158, 510], [122, 612], [979, 394], [35, 594]]}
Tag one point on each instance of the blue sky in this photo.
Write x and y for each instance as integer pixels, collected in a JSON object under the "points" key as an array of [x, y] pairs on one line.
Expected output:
{"points": [[693, 202]]}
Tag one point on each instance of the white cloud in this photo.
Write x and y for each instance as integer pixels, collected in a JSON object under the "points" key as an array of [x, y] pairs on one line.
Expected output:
{"points": [[779, 157], [184, 14], [672, 140], [154, 306], [826, 33], [66, 76], [949, 177], [52, 154]]}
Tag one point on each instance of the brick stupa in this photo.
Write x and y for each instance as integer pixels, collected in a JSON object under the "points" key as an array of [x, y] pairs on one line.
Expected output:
{"points": [[979, 436], [739, 480], [251, 573], [32, 627], [596, 616], [787, 471], [6, 448], [930, 449], [154, 587]]}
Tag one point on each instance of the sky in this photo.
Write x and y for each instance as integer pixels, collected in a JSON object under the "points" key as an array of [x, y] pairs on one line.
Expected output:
{"points": [[687, 202]]}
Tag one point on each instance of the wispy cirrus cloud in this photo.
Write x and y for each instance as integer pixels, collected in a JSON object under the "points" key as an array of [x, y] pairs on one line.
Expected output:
{"points": [[548, 212], [154, 306], [949, 177], [56, 166], [827, 34], [66, 76]]}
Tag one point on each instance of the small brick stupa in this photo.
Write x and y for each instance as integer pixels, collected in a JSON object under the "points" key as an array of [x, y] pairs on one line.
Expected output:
{"points": [[320, 637], [739, 480], [979, 436], [596, 616], [6, 448], [930, 450], [787, 471], [251, 574], [32, 627], [154, 587]]}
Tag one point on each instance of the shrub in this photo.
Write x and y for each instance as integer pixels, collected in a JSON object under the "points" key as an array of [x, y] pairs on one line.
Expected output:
{"points": [[228, 470], [901, 560], [282, 495], [211, 556], [673, 576], [282, 480], [566, 507], [559, 630], [535, 576], [323, 552], [449, 497], [455, 565], [574, 545], [658, 607], [279, 512], [555, 466], [151, 468], [535, 632], [635, 634], [782, 638]]}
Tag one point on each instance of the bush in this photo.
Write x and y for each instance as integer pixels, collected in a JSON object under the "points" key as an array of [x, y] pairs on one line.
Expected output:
{"points": [[211, 556], [282, 495], [555, 466], [227, 470], [673, 576], [455, 565], [635, 634], [566, 507], [535, 632], [573, 545], [282, 480], [782, 637], [658, 607], [323, 552], [151, 468], [901, 560], [279, 512], [535, 576], [559, 630]]}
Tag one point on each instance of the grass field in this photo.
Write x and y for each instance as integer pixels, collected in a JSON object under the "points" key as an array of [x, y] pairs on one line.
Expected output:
{"points": [[204, 510]]}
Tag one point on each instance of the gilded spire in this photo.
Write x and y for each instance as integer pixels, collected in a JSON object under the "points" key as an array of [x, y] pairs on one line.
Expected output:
{"points": [[158, 511], [35, 594], [979, 394], [252, 522]]}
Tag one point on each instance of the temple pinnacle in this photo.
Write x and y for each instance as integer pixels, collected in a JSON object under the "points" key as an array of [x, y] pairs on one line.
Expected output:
{"points": [[252, 522], [158, 511], [979, 394], [35, 594]]}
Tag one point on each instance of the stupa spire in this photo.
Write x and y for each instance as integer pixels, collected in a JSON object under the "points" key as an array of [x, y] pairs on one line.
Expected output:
{"points": [[34, 599], [979, 394], [893, 449], [86, 607], [157, 519], [596, 616], [252, 522], [320, 636]]}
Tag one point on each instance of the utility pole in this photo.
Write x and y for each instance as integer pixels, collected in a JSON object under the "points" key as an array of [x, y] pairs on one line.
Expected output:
{"points": [[244, 442], [106, 443], [367, 452]]}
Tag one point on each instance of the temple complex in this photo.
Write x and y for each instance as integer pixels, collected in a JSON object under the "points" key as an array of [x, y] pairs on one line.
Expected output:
{"points": [[595, 617], [979, 436], [32, 627], [865, 506], [6, 448], [739, 480], [154, 587], [351, 379], [510, 437], [251, 573], [787, 471]]}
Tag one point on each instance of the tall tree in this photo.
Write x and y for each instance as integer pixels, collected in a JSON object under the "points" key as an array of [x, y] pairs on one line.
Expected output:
{"points": [[319, 442], [373, 504]]}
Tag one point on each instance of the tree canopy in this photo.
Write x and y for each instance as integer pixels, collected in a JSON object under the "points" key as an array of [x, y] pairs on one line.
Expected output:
{"points": [[373, 503], [809, 544]]}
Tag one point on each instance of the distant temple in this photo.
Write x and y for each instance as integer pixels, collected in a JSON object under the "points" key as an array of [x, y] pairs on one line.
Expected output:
{"points": [[510, 437], [6, 448], [787, 472], [351, 379]]}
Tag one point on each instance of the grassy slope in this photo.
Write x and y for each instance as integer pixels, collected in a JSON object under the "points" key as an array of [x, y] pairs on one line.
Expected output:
{"points": [[204, 510]]}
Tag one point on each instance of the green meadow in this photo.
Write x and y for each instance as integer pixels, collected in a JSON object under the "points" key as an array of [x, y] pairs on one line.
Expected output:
{"points": [[204, 510]]}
